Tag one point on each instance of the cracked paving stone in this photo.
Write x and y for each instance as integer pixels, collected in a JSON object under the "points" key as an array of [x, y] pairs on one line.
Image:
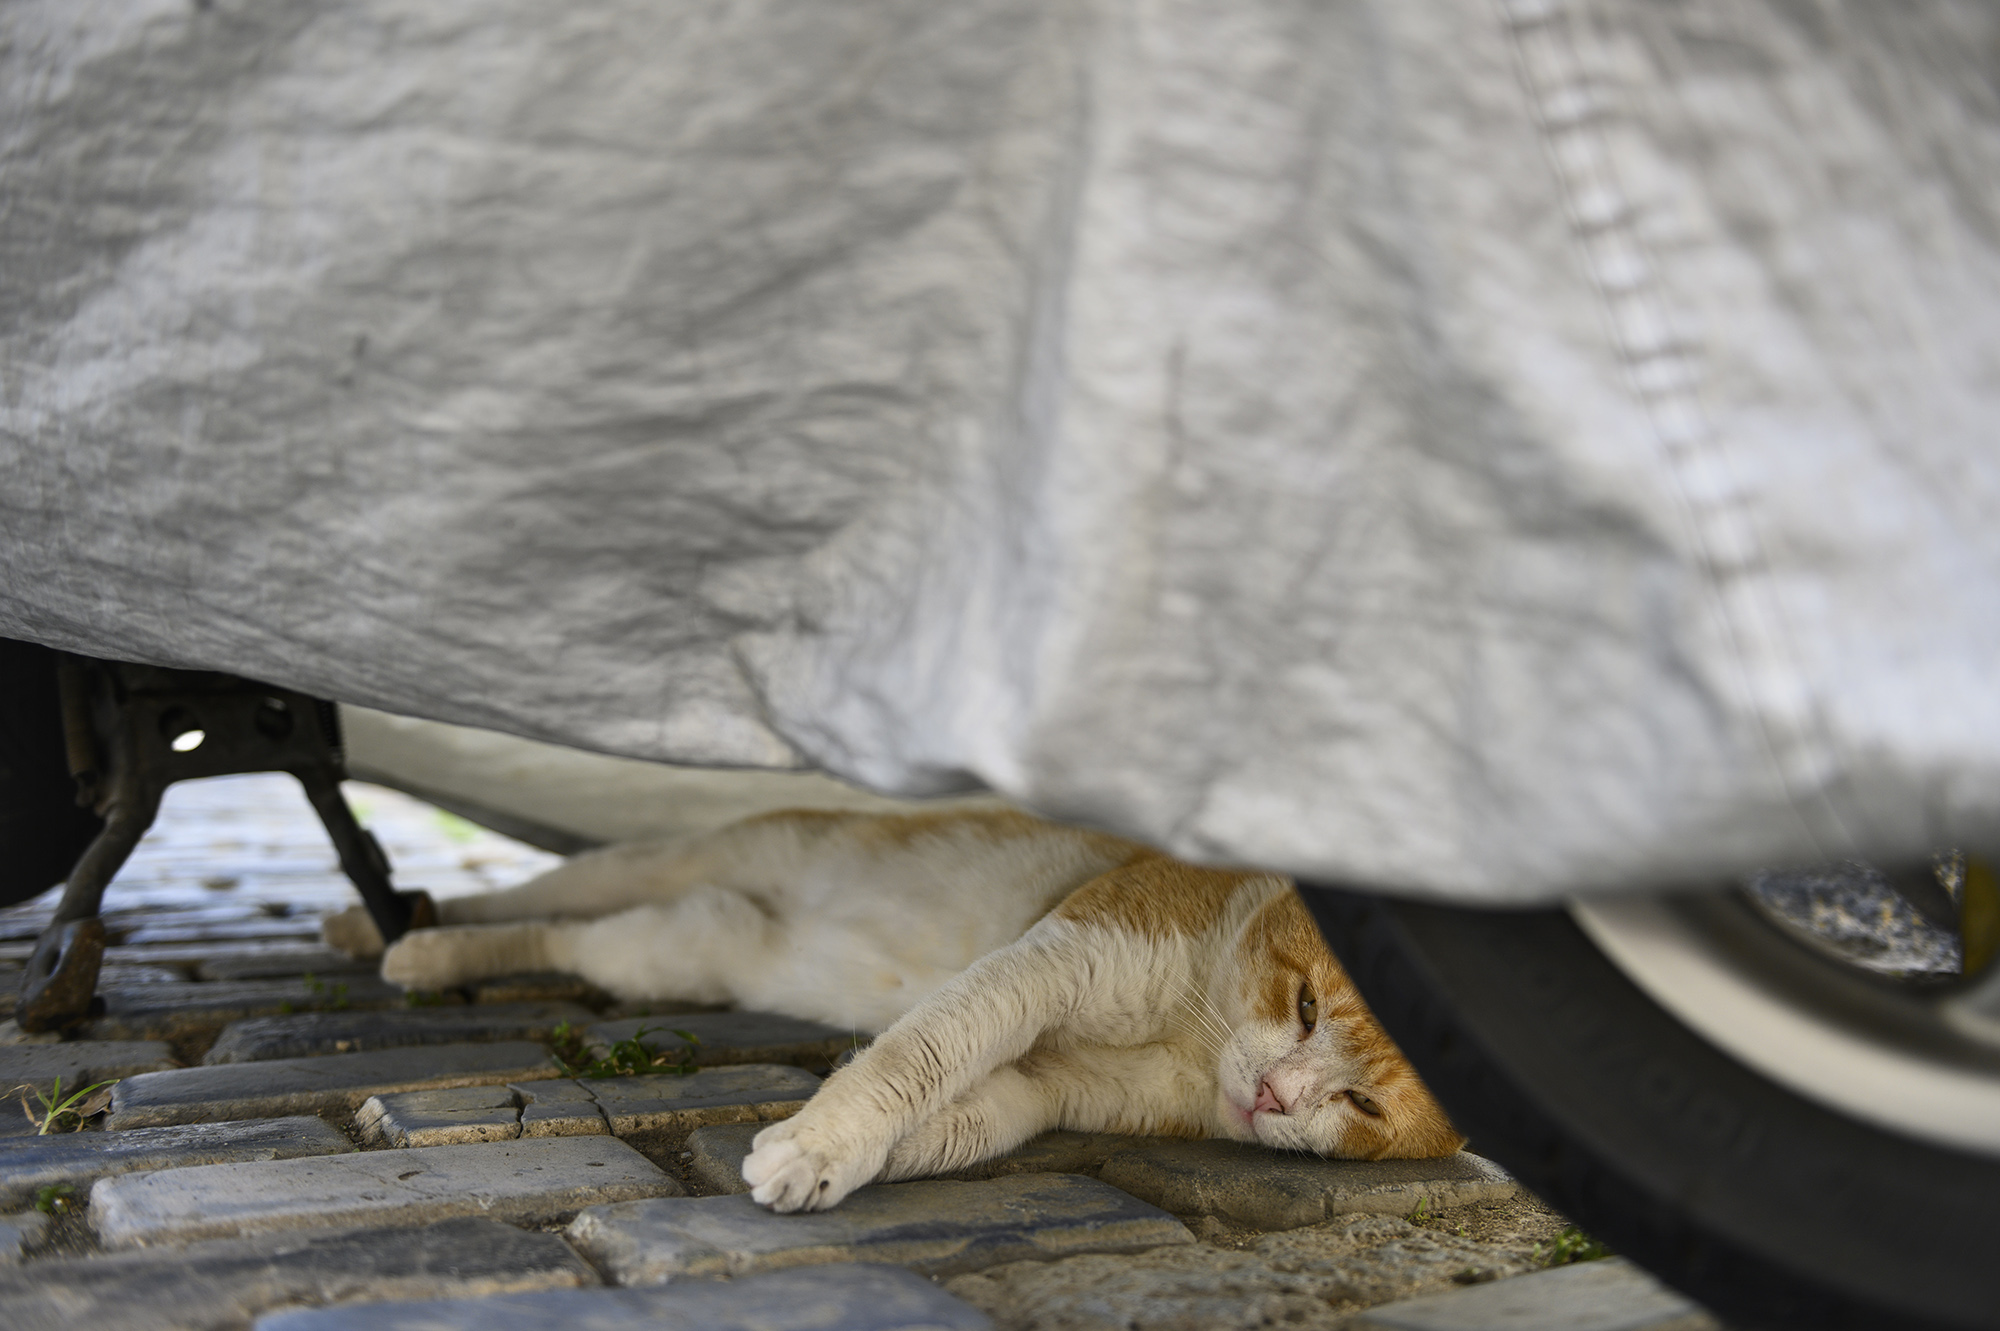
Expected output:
{"points": [[1313, 1279], [528, 1182], [732, 1037], [626, 1106], [21, 1234], [824, 1298], [444, 1118], [305, 1034], [79, 1063], [1260, 1188], [171, 1011], [81, 1158], [1609, 1295], [327, 1084], [223, 1284], [933, 1227], [560, 1109]]}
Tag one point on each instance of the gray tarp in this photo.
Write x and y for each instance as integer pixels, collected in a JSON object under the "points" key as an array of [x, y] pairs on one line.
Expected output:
{"points": [[1479, 448]]}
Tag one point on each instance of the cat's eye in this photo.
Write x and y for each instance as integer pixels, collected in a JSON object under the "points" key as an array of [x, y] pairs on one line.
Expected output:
{"points": [[1364, 1104], [1308, 1009]]}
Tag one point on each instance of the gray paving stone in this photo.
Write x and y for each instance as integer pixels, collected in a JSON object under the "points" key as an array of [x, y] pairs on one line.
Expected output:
{"points": [[1611, 1295], [224, 931], [715, 1155], [174, 1011], [824, 1298], [669, 1104], [304, 1034], [221, 1285], [733, 1037], [934, 1227], [1311, 1279], [81, 1158], [1265, 1189], [328, 1084], [276, 964], [189, 958], [538, 987], [447, 1117], [628, 1106], [21, 1234], [560, 1109], [532, 1181], [78, 1063], [121, 974]]}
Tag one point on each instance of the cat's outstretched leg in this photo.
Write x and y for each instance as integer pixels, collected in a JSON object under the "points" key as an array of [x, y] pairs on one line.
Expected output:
{"points": [[990, 1015], [594, 884], [694, 949]]}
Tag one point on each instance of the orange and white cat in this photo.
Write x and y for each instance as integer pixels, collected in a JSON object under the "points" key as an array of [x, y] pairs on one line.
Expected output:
{"points": [[1024, 976]]}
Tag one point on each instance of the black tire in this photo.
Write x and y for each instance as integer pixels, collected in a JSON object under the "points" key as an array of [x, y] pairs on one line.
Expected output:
{"points": [[42, 831], [1769, 1209]]}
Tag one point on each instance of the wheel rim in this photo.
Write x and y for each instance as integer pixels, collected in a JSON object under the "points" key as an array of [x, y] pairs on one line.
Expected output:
{"points": [[1922, 1061]]}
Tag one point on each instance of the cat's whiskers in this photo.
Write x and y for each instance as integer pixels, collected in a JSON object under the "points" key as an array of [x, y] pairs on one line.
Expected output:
{"points": [[1201, 1020]]}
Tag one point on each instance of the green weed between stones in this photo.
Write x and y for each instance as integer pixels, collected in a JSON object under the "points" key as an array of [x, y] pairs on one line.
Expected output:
{"points": [[55, 1198], [1572, 1245], [628, 1057], [65, 1113], [327, 997]]}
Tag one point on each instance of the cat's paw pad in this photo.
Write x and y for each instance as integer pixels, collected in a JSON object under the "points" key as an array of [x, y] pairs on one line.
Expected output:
{"points": [[351, 931], [786, 1171]]}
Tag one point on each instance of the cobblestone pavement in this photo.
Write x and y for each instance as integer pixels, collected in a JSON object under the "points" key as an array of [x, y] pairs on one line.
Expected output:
{"points": [[292, 1143]]}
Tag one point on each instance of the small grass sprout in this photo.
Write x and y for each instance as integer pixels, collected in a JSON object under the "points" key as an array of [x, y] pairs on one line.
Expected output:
{"points": [[1572, 1245], [1423, 1211], [629, 1057], [54, 1198], [65, 1113]]}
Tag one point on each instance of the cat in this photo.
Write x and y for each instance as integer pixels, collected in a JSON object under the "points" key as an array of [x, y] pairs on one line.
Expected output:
{"points": [[1023, 975]]}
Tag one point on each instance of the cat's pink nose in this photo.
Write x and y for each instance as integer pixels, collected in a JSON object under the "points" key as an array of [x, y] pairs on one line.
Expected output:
{"points": [[1268, 1099]]}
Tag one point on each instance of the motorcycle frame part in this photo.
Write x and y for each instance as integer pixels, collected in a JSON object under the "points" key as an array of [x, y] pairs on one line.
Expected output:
{"points": [[121, 724]]}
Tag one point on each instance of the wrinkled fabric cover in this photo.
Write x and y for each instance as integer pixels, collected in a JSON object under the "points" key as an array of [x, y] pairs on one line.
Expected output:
{"points": [[1489, 450]]}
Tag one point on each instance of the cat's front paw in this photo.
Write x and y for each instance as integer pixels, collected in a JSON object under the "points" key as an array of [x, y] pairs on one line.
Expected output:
{"points": [[793, 1167], [351, 931]]}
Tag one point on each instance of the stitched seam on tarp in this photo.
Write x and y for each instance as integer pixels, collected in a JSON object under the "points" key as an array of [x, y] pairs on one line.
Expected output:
{"points": [[1664, 368]]}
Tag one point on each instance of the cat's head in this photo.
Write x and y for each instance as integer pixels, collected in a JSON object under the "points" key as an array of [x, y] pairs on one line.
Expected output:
{"points": [[1306, 1066]]}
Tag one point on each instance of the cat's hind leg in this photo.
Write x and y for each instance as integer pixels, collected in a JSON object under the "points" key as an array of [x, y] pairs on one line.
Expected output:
{"points": [[593, 884], [692, 949]]}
